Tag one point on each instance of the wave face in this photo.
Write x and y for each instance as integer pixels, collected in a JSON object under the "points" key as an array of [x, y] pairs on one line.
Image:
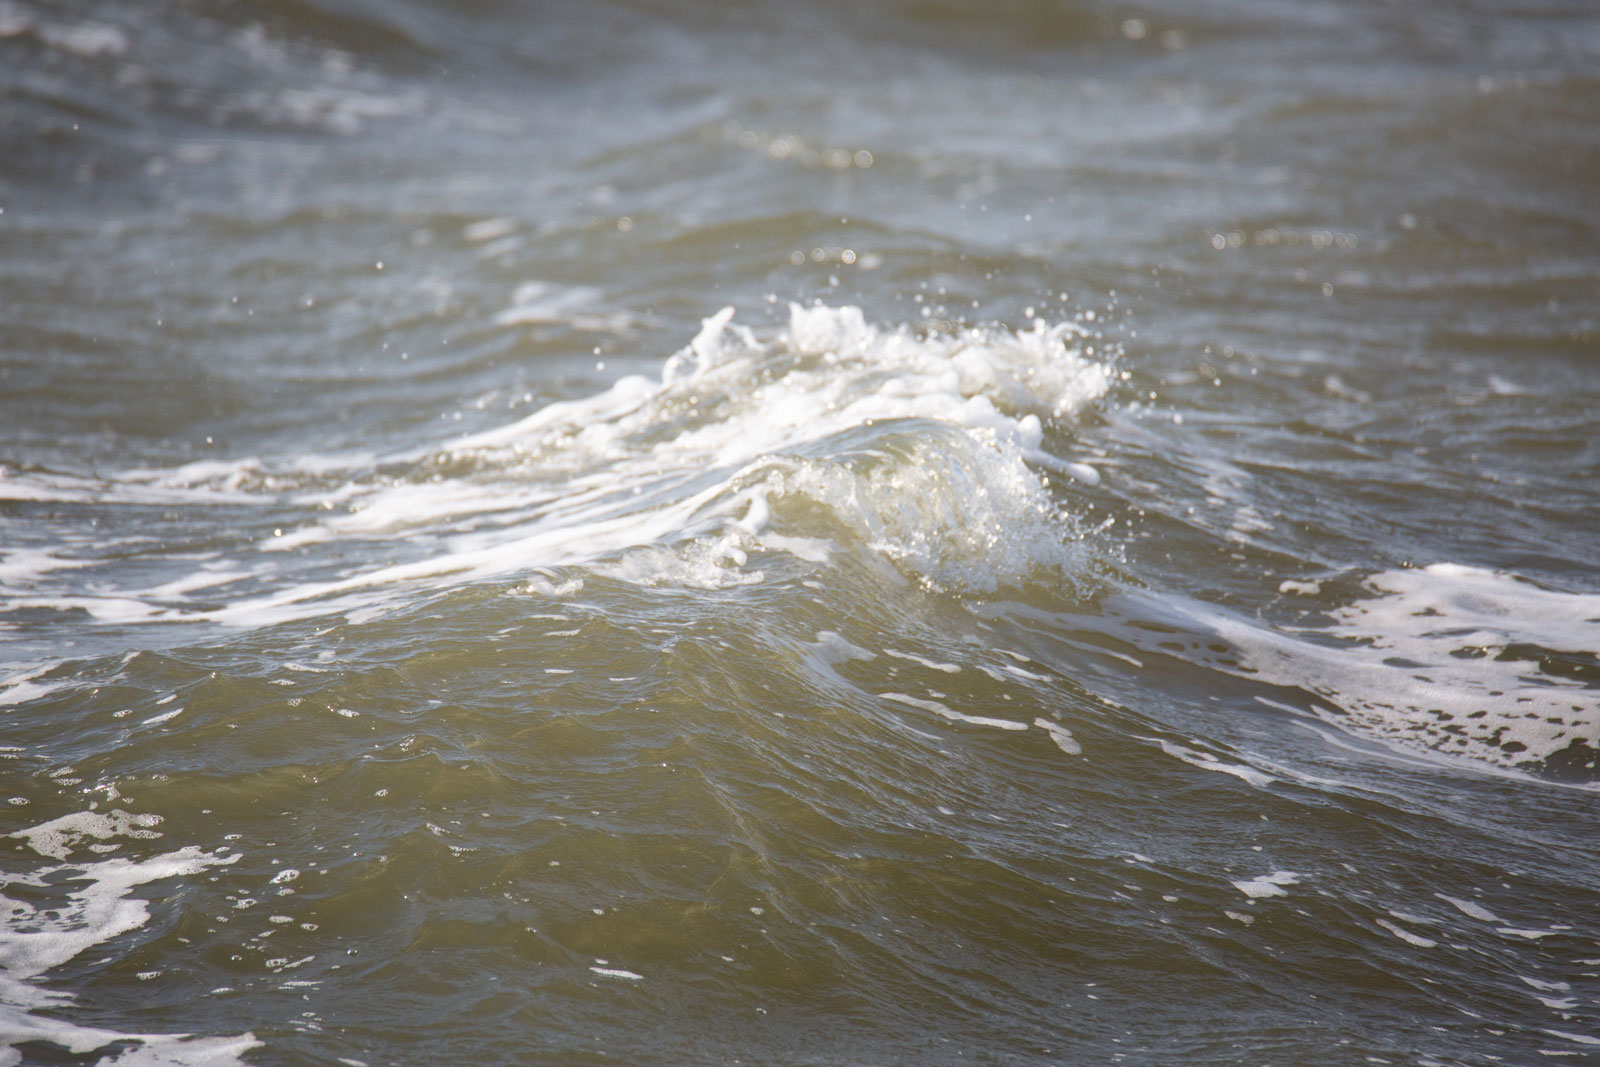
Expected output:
{"points": [[622, 532]]}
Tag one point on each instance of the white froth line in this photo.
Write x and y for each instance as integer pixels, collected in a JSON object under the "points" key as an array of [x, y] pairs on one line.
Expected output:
{"points": [[1013, 669], [113, 493], [20, 688], [394, 509], [617, 972], [199, 580], [1558, 1003], [1577, 1039], [1406, 935], [1207, 762], [951, 714], [25, 564], [625, 396], [948, 668], [1472, 910], [546, 547], [102, 609]]}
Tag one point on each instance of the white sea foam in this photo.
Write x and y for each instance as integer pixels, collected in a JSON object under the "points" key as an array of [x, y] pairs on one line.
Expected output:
{"points": [[924, 449], [1207, 762], [24, 565], [1406, 935], [24, 686], [1576, 1039], [1267, 885], [1471, 909], [1448, 658], [618, 972], [948, 668], [1061, 736], [58, 837], [947, 712], [95, 907], [133, 487]]}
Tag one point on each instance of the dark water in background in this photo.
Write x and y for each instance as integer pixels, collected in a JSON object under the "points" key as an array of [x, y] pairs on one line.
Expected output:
{"points": [[1140, 605]]}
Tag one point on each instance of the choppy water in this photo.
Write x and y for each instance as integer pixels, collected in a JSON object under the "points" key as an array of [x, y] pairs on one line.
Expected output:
{"points": [[660, 533]]}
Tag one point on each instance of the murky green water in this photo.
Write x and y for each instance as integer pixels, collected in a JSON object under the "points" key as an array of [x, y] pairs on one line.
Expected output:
{"points": [[653, 533]]}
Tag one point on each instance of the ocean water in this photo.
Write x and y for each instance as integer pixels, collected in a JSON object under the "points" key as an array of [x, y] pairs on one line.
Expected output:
{"points": [[645, 532]]}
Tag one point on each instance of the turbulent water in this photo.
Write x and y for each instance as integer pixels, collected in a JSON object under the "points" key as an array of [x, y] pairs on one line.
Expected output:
{"points": [[645, 532]]}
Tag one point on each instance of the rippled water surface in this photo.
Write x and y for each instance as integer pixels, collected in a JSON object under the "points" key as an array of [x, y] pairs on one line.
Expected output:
{"points": [[799, 533]]}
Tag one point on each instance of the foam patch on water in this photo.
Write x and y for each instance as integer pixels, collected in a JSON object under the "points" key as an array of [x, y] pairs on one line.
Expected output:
{"points": [[1449, 659], [58, 837], [1061, 736], [88, 903], [22, 565], [23, 686], [1267, 885], [924, 448]]}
